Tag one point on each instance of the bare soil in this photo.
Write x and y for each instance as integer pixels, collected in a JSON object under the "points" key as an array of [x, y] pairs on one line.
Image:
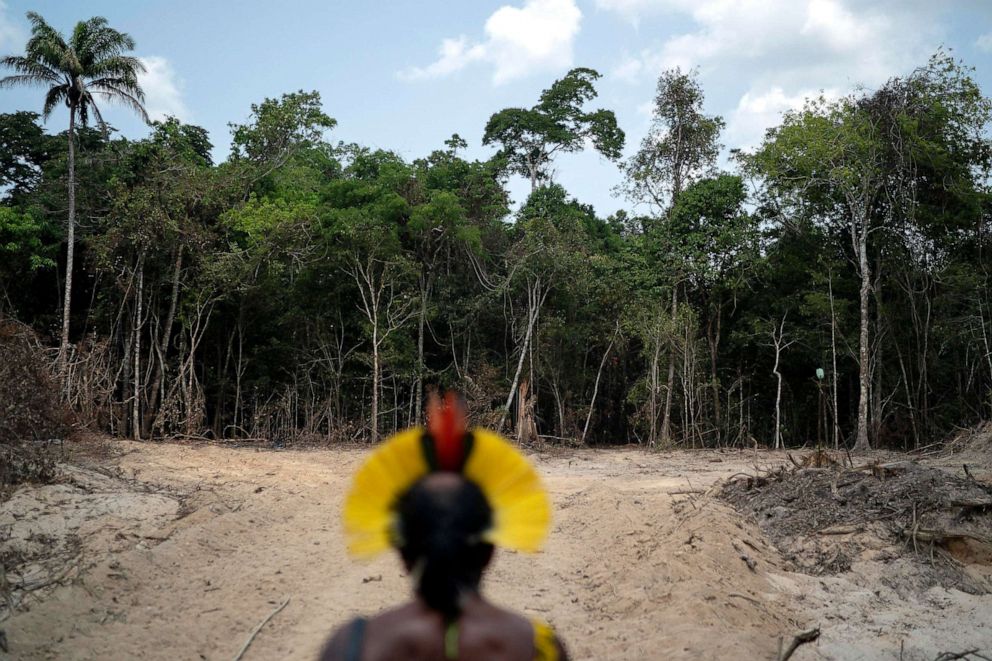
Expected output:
{"points": [[178, 551]]}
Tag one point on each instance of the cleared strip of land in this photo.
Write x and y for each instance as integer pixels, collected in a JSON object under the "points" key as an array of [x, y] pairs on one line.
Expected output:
{"points": [[165, 551]]}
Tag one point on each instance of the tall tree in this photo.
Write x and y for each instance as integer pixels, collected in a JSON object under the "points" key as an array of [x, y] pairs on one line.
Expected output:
{"points": [[93, 62], [530, 138], [893, 172], [831, 155], [680, 147], [713, 242]]}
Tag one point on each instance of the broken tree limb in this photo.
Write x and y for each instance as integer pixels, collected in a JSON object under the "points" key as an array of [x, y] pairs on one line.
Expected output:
{"points": [[800, 640], [841, 530], [949, 656], [748, 560], [943, 536], [251, 637]]}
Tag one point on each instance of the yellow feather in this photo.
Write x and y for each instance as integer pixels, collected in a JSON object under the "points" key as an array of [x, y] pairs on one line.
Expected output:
{"points": [[521, 509], [390, 470]]}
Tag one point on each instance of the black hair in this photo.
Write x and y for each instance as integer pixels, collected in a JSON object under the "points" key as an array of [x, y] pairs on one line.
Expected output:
{"points": [[441, 521]]}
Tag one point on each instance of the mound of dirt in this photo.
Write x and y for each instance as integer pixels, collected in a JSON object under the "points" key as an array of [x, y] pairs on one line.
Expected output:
{"points": [[973, 446], [824, 519], [43, 529]]}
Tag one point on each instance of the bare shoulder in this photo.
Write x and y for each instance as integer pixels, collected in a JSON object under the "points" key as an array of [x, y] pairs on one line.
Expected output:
{"points": [[496, 619], [336, 648], [485, 631], [494, 632], [354, 637]]}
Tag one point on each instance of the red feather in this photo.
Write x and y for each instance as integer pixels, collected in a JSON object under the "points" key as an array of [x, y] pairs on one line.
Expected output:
{"points": [[446, 424]]}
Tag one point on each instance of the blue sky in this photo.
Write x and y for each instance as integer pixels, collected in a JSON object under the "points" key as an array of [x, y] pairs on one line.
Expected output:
{"points": [[405, 75]]}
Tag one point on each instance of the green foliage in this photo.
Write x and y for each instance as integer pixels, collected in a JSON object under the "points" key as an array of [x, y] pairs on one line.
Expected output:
{"points": [[681, 146], [709, 233], [278, 127], [24, 148], [25, 243], [530, 138], [283, 293], [91, 62]]}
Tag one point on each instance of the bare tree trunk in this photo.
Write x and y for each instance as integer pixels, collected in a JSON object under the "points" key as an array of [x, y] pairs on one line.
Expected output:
{"points": [[374, 279], [687, 391], [864, 350], [71, 245], [910, 407], [534, 298], [876, 413], [559, 405], [419, 382], [714, 342], [136, 403], [833, 355], [163, 347], [595, 387], [239, 370], [666, 425], [924, 380], [778, 341], [986, 342], [653, 401], [375, 379]]}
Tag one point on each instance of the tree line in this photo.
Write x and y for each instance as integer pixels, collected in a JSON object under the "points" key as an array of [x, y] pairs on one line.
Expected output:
{"points": [[830, 286]]}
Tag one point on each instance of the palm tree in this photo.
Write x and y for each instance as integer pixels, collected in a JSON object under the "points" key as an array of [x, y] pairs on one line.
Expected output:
{"points": [[92, 63]]}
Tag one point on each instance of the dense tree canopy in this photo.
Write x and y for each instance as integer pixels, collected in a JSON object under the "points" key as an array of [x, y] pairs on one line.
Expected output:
{"points": [[306, 289], [558, 124]]}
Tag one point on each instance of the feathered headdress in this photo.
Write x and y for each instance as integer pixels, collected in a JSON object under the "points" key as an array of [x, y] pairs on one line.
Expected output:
{"points": [[521, 512]]}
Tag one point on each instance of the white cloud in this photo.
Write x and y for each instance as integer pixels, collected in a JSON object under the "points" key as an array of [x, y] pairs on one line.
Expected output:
{"points": [[12, 36], [631, 68], [633, 10], [538, 36], [163, 95], [834, 25], [984, 42], [782, 50], [453, 55], [865, 40], [758, 110]]}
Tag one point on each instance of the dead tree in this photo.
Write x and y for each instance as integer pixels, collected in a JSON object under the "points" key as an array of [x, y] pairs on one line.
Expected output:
{"points": [[780, 344]]}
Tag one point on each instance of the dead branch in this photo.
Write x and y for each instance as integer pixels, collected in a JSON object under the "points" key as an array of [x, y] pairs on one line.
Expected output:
{"points": [[841, 530], [949, 656], [251, 637], [744, 597], [800, 640], [748, 560], [942, 536], [37, 584]]}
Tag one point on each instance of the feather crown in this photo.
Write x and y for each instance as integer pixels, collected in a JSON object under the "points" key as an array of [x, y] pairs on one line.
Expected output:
{"points": [[521, 511]]}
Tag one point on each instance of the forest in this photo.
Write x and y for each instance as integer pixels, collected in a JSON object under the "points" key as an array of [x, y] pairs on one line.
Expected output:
{"points": [[830, 287]]}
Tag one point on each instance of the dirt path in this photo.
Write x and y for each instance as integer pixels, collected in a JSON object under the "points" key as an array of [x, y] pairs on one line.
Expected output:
{"points": [[181, 550]]}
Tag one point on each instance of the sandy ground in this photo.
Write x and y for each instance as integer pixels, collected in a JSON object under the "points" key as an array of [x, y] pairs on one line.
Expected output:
{"points": [[171, 551]]}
